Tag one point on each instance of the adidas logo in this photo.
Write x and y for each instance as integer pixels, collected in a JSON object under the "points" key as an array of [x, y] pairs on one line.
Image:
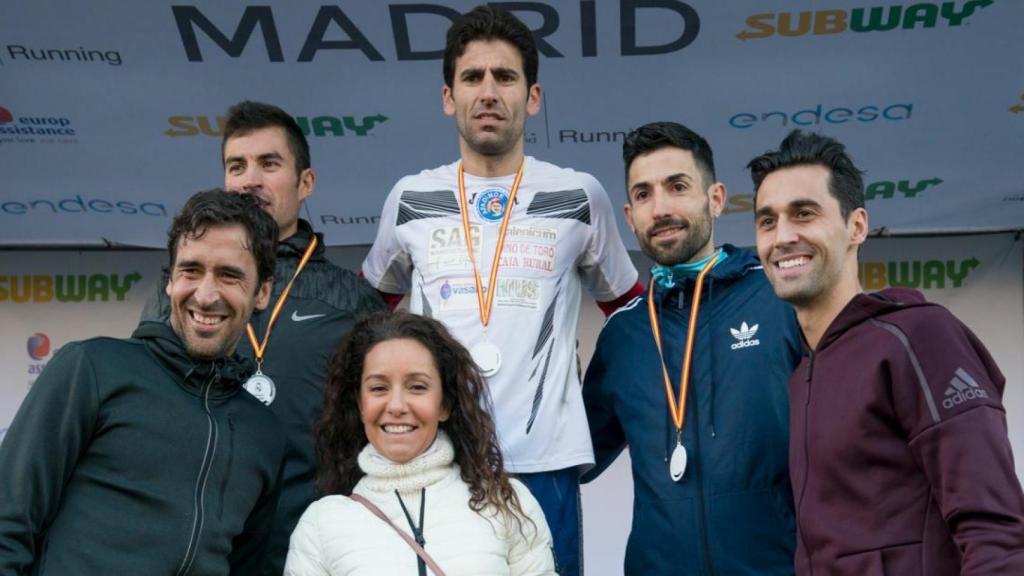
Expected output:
{"points": [[961, 389], [745, 336]]}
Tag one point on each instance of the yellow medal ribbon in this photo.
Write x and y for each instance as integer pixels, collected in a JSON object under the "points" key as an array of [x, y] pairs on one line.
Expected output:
{"points": [[258, 347], [678, 409], [483, 304]]}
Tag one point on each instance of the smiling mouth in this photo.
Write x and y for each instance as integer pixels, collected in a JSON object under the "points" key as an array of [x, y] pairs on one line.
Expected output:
{"points": [[205, 319], [398, 428], [666, 231], [790, 263]]}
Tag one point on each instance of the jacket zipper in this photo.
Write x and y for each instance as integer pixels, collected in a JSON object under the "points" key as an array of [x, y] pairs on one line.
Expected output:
{"points": [[201, 479], [807, 463], [699, 479]]}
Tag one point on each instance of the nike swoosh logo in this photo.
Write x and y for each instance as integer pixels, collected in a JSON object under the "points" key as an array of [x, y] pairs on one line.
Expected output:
{"points": [[297, 318]]}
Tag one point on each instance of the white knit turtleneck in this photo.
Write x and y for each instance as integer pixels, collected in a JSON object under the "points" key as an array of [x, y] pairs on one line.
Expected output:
{"points": [[431, 466]]}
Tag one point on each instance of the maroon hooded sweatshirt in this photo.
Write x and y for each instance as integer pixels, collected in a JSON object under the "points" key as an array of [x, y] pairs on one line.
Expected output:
{"points": [[899, 454]]}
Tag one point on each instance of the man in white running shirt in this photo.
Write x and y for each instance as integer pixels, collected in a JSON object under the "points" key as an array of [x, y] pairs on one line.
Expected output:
{"points": [[534, 232]]}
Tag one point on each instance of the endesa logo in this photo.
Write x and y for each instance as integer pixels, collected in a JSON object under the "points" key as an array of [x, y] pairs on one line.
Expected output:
{"points": [[43, 288], [875, 19], [819, 114], [924, 274], [25, 129], [79, 204], [316, 126]]}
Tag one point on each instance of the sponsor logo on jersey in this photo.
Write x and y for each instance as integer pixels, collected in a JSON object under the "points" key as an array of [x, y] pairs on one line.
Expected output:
{"points": [[491, 204], [744, 336]]}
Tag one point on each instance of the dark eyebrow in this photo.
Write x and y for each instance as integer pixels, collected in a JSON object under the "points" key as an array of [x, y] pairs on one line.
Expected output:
{"points": [[679, 176], [792, 206], [235, 271], [261, 157]]}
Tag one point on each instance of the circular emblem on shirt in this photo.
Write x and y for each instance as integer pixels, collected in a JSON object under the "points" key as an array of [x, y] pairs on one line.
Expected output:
{"points": [[446, 290], [491, 204]]}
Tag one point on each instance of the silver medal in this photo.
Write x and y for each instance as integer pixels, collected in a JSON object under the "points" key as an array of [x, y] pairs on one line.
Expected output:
{"points": [[487, 357], [262, 387], [677, 465]]}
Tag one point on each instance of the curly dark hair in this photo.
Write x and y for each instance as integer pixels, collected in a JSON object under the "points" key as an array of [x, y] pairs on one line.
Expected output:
{"points": [[340, 435], [219, 208]]}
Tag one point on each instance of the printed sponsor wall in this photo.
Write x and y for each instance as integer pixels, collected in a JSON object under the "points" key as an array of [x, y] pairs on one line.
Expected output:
{"points": [[50, 298], [110, 110]]}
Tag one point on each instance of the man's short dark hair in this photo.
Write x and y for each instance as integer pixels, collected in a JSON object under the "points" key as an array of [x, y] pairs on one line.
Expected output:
{"points": [[247, 116], [219, 208], [809, 149], [489, 23], [658, 135]]}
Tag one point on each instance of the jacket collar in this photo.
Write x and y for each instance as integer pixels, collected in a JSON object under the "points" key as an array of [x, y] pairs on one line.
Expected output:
{"points": [[192, 374], [295, 245], [738, 264], [864, 307]]}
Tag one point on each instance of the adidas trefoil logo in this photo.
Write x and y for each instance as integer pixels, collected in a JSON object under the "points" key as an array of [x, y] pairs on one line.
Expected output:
{"points": [[961, 389], [745, 336]]}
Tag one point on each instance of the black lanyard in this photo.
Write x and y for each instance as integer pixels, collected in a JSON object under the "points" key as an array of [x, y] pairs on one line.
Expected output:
{"points": [[417, 531]]}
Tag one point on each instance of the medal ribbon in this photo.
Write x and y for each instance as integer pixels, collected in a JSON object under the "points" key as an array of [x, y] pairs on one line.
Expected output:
{"points": [[678, 410], [486, 305], [258, 347]]}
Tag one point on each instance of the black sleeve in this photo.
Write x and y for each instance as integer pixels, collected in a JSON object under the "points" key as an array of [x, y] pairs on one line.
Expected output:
{"points": [[605, 429], [50, 432]]}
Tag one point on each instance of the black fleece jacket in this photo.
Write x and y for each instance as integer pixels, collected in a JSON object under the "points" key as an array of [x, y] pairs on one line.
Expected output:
{"points": [[128, 457]]}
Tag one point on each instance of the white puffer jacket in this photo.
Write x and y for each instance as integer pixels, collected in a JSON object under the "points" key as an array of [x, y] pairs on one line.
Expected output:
{"points": [[337, 536]]}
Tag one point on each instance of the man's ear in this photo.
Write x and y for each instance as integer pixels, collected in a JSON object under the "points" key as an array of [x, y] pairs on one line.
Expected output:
{"points": [[533, 99], [263, 294], [447, 101], [717, 195], [307, 182], [857, 225]]}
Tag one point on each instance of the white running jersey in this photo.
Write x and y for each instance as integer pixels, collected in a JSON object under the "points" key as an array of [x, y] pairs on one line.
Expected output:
{"points": [[561, 236]]}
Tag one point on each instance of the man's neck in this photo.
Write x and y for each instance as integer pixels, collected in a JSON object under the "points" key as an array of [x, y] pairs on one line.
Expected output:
{"points": [[816, 317], [484, 166]]}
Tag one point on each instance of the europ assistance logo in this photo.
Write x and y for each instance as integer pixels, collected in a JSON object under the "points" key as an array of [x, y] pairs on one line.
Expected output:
{"points": [[38, 348], [35, 129]]}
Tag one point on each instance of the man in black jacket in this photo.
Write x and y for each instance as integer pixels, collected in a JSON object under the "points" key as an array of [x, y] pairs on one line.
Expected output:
{"points": [[265, 155], [144, 456]]}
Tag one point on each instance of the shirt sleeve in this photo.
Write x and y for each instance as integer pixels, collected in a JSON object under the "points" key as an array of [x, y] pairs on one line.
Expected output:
{"points": [[305, 554], [605, 429], [50, 432], [388, 265], [607, 271], [948, 397], [530, 549]]}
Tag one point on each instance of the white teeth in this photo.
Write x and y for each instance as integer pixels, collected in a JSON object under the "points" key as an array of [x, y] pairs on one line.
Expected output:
{"points": [[784, 264], [397, 428], [207, 320]]}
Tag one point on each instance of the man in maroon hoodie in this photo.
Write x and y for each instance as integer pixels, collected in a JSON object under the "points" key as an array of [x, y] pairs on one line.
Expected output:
{"points": [[899, 455]]}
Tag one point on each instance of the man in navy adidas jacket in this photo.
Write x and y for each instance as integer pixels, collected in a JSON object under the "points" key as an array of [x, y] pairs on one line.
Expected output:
{"points": [[730, 511]]}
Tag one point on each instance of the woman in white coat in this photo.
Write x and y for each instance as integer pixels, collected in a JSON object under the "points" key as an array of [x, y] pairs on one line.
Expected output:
{"points": [[404, 428]]}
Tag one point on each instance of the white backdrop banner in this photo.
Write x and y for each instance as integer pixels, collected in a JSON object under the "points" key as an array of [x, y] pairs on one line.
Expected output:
{"points": [[110, 110]]}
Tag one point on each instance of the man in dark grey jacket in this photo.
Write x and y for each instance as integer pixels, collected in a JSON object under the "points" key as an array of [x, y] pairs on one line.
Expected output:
{"points": [[144, 456], [265, 155]]}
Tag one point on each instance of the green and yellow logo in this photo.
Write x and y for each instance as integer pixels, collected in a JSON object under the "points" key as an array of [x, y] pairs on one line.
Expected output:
{"points": [[1019, 106], [906, 188], [42, 288], [316, 126], [875, 19], [883, 189], [923, 274]]}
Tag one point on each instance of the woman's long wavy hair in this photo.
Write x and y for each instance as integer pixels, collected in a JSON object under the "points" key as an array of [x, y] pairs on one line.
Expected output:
{"points": [[340, 435]]}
